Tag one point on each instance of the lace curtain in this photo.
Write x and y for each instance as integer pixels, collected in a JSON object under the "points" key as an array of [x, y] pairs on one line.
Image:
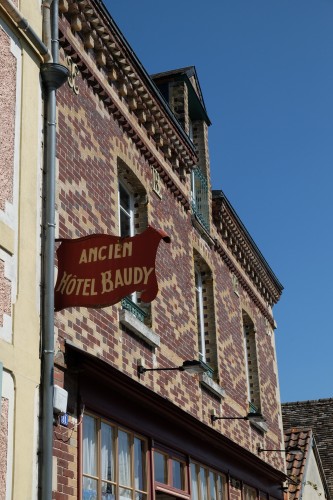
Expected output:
{"points": [[89, 458]]}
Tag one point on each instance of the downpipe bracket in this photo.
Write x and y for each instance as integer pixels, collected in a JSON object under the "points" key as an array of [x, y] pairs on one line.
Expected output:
{"points": [[53, 75]]}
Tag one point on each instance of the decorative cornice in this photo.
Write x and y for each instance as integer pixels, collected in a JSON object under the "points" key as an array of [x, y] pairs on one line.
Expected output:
{"points": [[119, 66], [243, 248], [245, 284], [97, 82]]}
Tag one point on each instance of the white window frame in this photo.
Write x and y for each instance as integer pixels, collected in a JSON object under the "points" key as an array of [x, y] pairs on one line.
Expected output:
{"points": [[246, 363], [190, 128], [130, 213], [200, 315]]}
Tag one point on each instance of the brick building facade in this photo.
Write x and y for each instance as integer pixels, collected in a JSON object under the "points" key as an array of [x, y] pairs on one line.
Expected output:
{"points": [[127, 159]]}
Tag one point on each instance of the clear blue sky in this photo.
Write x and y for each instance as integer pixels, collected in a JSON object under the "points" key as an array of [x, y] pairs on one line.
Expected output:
{"points": [[266, 73]]}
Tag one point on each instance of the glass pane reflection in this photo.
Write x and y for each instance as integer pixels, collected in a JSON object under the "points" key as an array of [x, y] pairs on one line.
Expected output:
{"points": [[177, 474], [160, 463], [89, 489]]}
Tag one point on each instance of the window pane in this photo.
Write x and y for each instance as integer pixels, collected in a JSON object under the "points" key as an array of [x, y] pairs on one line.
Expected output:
{"points": [[139, 464], [203, 484], [124, 494], [125, 224], [124, 459], [160, 463], [140, 496], [249, 493], [200, 316], [177, 474], [125, 199], [107, 459], [108, 492], [89, 446], [212, 485], [89, 489], [114, 462], [220, 489], [208, 482], [194, 482]]}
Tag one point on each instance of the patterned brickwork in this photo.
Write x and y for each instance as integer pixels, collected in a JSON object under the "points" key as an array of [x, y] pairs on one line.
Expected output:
{"points": [[65, 453], [95, 149], [179, 103], [200, 140]]}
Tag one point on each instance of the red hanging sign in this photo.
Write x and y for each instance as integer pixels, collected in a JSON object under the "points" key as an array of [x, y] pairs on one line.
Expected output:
{"points": [[99, 270]]}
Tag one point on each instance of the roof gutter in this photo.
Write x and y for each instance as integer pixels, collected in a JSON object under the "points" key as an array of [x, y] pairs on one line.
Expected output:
{"points": [[220, 194], [149, 82], [26, 30]]}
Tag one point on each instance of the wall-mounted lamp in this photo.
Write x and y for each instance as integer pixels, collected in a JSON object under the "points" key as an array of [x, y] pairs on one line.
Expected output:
{"points": [[252, 417], [191, 366], [291, 450]]}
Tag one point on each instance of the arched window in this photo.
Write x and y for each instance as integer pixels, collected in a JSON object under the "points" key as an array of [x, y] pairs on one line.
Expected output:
{"points": [[207, 350], [126, 210], [133, 219], [200, 314], [251, 363]]}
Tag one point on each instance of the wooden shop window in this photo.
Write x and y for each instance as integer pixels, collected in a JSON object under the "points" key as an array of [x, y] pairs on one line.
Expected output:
{"points": [[207, 483], [114, 462], [249, 493], [170, 475]]}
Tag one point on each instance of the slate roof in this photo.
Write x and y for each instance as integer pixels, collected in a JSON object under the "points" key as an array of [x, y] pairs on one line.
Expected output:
{"points": [[317, 415]]}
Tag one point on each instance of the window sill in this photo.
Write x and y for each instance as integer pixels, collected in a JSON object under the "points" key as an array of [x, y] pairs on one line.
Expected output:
{"points": [[204, 233], [211, 386], [128, 319], [261, 426]]}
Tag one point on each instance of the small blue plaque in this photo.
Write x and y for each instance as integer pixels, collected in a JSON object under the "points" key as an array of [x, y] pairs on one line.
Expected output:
{"points": [[64, 419]]}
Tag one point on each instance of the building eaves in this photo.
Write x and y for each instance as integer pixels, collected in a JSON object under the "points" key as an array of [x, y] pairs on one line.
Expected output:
{"points": [[244, 249], [144, 74], [118, 65], [189, 70]]}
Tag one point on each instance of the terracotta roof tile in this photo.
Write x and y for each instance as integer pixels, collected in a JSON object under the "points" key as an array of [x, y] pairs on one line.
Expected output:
{"points": [[301, 438], [317, 415]]}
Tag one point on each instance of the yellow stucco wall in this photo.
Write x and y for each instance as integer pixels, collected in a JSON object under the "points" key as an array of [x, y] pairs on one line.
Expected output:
{"points": [[20, 254]]}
